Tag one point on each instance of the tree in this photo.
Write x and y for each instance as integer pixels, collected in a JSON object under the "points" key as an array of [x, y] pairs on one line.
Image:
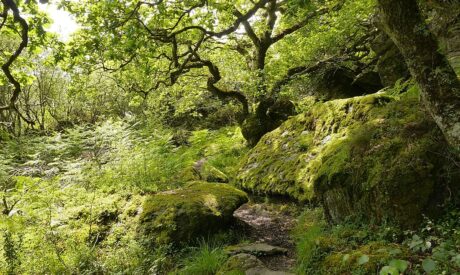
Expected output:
{"points": [[183, 39], [440, 87], [21, 28], [9, 6]]}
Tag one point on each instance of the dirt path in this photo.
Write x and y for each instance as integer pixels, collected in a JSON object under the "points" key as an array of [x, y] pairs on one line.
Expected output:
{"points": [[271, 223]]}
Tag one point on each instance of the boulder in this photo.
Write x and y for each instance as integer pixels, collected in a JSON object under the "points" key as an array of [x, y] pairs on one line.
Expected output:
{"points": [[374, 157], [182, 215]]}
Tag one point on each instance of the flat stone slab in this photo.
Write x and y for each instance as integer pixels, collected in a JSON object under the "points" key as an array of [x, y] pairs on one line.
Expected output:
{"points": [[265, 271], [256, 249]]}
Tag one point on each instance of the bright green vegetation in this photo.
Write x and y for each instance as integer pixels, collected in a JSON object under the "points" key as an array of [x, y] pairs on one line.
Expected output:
{"points": [[74, 205], [361, 156], [351, 248], [130, 145]]}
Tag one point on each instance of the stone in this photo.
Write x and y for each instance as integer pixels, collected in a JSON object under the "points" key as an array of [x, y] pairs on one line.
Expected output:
{"points": [[256, 249], [265, 271], [376, 157], [246, 264], [182, 215], [240, 263]]}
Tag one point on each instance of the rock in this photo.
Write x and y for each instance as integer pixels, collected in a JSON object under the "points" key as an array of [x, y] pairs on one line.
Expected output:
{"points": [[384, 159], [240, 263], [269, 115], [256, 249], [265, 271], [341, 82], [248, 265], [182, 215]]}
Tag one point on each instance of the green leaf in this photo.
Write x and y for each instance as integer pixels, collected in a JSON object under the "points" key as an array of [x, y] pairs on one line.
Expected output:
{"points": [[363, 259], [389, 270], [428, 265], [401, 265]]}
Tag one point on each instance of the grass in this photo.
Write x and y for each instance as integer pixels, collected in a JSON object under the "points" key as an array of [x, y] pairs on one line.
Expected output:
{"points": [[205, 259], [90, 181]]}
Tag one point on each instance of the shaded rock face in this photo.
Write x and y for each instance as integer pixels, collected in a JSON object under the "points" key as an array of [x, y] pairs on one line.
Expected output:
{"points": [[344, 83], [182, 215], [270, 114], [374, 157]]}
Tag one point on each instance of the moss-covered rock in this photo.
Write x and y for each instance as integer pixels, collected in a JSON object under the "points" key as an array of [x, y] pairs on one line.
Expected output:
{"points": [[378, 156], [239, 263], [366, 259], [182, 215]]}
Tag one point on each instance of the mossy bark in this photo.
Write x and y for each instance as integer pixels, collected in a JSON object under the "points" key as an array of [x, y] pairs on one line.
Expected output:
{"points": [[440, 86]]}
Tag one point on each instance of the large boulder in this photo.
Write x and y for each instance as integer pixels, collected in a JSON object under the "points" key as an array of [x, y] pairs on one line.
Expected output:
{"points": [[182, 215], [376, 157]]}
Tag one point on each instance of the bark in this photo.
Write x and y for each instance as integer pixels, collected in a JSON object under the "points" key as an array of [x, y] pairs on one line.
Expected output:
{"points": [[440, 87]]}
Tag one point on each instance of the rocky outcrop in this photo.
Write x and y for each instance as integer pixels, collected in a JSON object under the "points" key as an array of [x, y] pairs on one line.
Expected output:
{"points": [[182, 215], [377, 157]]}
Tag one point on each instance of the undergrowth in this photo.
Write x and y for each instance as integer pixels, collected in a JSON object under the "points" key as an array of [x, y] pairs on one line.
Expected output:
{"points": [[72, 199], [354, 248]]}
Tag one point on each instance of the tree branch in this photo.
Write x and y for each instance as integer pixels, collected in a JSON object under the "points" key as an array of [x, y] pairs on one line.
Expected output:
{"points": [[6, 67]]}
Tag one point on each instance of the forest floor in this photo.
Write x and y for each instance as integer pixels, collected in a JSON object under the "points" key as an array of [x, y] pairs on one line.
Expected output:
{"points": [[271, 222]]}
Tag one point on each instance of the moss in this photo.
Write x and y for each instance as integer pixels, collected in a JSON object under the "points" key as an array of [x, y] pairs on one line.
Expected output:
{"points": [[204, 172], [238, 264], [377, 157], [366, 259], [182, 215]]}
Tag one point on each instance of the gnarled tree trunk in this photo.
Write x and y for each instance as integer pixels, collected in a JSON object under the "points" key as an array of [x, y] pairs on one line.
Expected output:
{"points": [[440, 87]]}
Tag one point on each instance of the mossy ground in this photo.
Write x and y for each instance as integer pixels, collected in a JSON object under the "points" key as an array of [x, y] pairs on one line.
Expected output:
{"points": [[353, 248]]}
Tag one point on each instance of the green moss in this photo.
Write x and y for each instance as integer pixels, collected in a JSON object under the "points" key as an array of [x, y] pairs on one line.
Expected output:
{"points": [[182, 215], [366, 259], [238, 264], [377, 157]]}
